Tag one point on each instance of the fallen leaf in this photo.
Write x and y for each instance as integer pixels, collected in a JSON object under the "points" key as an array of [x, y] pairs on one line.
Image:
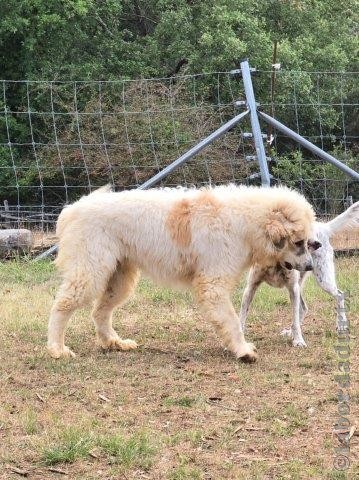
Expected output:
{"points": [[93, 454], [103, 398], [40, 398], [352, 431]]}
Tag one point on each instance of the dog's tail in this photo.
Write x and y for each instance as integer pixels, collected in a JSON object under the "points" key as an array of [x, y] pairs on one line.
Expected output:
{"points": [[67, 213], [105, 189], [344, 221]]}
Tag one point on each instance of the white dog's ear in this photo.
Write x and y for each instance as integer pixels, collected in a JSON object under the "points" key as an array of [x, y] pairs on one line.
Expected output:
{"points": [[276, 230]]}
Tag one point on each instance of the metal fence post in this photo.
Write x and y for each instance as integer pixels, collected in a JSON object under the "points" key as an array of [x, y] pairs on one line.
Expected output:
{"points": [[257, 134]]}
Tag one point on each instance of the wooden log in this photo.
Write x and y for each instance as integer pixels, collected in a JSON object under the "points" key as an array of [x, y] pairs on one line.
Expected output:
{"points": [[18, 240]]}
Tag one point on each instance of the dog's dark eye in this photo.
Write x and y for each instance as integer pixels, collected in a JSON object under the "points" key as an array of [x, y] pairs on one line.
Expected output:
{"points": [[299, 244]]}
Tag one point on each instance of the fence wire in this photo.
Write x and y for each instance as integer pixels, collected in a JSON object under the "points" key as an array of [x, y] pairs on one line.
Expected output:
{"points": [[62, 139]]}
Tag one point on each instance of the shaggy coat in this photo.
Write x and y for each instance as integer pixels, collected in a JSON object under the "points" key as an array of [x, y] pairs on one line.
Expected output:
{"points": [[203, 239]]}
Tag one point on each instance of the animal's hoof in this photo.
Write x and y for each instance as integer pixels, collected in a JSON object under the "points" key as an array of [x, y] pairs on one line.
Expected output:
{"points": [[287, 332], [56, 351], [116, 343], [299, 343]]}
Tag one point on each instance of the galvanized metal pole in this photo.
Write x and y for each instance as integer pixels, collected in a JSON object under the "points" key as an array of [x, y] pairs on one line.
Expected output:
{"points": [[47, 252], [257, 134], [313, 148], [193, 151]]}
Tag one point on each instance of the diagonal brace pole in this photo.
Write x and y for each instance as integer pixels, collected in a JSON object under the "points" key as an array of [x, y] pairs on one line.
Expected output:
{"points": [[310, 146], [193, 151]]}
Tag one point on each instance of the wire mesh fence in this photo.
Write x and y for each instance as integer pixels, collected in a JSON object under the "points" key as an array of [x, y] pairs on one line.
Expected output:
{"points": [[61, 139]]}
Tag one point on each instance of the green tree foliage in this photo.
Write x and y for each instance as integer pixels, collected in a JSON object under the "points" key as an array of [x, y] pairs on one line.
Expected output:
{"points": [[93, 39], [124, 39]]}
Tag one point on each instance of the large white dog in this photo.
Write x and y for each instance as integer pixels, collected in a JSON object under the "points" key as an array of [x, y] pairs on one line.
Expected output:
{"points": [[203, 239]]}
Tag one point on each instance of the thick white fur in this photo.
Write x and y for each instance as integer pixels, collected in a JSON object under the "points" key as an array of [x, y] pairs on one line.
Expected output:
{"points": [[203, 239]]}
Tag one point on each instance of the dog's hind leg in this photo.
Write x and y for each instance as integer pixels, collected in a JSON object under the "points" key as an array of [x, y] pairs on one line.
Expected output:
{"points": [[83, 282], [213, 295], [119, 288], [72, 295]]}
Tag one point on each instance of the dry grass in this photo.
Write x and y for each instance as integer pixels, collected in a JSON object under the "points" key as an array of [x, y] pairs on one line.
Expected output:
{"points": [[178, 408], [348, 240]]}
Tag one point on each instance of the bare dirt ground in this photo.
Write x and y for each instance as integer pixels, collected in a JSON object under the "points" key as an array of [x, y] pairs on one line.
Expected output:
{"points": [[179, 407]]}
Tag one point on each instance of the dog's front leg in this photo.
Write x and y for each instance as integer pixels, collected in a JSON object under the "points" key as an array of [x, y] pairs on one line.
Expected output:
{"points": [[294, 293], [213, 296]]}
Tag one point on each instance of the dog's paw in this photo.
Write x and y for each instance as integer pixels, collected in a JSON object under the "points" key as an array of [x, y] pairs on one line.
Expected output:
{"points": [[117, 343], [247, 353], [128, 344], [299, 342], [287, 332], [57, 351]]}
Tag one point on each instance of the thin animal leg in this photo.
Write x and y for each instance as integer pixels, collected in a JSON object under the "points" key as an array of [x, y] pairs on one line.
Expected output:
{"points": [[303, 308], [296, 331], [213, 295], [331, 288], [253, 282], [324, 272]]}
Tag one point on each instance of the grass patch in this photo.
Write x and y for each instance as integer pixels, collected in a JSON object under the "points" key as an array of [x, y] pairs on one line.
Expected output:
{"points": [[30, 422], [186, 402], [291, 420], [186, 472], [137, 450], [29, 272], [72, 445], [338, 475]]}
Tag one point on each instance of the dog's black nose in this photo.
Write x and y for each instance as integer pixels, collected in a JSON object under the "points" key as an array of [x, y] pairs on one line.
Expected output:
{"points": [[309, 267]]}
